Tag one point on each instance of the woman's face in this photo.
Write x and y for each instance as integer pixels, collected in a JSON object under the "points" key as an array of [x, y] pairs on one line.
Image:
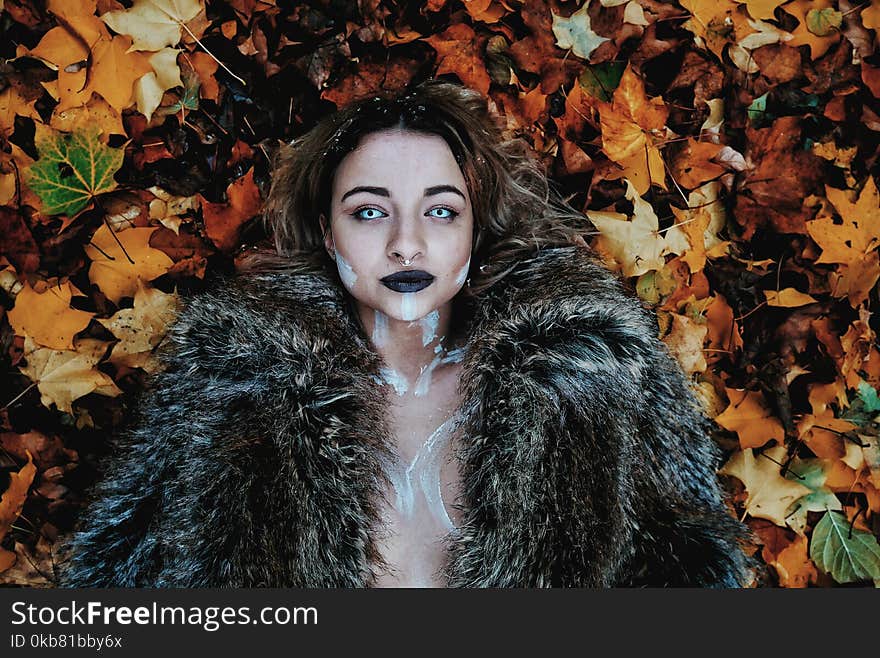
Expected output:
{"points": [[401, 198]]}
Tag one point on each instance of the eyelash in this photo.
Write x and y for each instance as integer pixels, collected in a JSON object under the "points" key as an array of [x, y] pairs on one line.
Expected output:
{"points": [[453, 214]]}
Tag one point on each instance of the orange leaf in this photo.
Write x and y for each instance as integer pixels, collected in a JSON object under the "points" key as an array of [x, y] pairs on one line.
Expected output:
{"points": [[224, 221], [16, 494], [460, 51]]}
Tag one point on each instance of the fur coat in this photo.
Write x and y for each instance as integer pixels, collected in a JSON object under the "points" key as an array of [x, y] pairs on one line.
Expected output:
{"points": [[254, 458]]}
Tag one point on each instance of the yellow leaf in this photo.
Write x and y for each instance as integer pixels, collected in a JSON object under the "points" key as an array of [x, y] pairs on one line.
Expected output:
{"points": [[748, 416], [769, 494], [851, 242], [635, 244], [787, 297], [111, 269], [63, 376], [153, 24], [47, 317], [15, 495], [141, 328]]}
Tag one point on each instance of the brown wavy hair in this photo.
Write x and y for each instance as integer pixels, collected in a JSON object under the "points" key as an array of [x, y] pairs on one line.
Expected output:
{"points": [[516, 209]]}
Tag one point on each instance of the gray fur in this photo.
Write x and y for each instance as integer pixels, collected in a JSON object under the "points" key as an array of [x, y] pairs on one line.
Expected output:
{"points": [[254, 457]]}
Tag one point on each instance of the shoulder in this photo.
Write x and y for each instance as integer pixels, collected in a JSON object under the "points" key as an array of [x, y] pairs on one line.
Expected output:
{"points": [[247, 320], [563, 306]]}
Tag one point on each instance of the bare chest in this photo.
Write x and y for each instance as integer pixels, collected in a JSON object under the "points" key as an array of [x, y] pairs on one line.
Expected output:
{"points": [[419, 510]]}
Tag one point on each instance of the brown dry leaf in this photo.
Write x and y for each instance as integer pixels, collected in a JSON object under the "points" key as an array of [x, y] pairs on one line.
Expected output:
{"points": [[459, 51], [111, 269], [168, 209], [770, 495], [31, 568], [224, 221], [15, 496], [750, 417], [13, 103], [47, 317], [141, 328]]}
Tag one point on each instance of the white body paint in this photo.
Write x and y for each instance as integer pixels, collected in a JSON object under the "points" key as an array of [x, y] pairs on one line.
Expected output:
{"points": [[429, 326], [395, 379], [346, 273], [424, 472], [423, 383]]}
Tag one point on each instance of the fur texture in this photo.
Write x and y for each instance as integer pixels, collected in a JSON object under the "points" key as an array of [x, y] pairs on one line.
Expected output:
{"points": [[254, 457]]}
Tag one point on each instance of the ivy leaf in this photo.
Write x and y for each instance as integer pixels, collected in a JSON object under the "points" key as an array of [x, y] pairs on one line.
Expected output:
{"points": [[576, 32], [72, 169], [847, 557]]}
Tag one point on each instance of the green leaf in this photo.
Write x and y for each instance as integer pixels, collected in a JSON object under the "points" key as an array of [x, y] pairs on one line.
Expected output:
{"points": [[600, 80], [847, 557], [576, 32], [868, 394], [823, 22], [72, 169]]}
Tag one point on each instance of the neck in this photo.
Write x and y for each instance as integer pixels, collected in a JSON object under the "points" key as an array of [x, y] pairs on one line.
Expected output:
{"points": [[411, 350]]}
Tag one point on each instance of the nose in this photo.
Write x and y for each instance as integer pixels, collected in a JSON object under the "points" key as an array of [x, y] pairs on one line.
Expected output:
{"points": [[406, 242]]}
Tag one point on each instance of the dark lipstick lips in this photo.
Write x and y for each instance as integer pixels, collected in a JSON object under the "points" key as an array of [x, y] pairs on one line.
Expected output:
{"points": [[408, 281]]}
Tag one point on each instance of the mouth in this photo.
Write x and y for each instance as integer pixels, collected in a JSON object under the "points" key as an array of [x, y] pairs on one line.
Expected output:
{"points": [[408, 281]]}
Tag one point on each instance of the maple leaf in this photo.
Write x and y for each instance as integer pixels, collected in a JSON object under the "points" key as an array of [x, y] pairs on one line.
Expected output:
{"points": [[72, 169], [165, 75], [224, 221], [63, 376], [769, 494], [117, 269], [848, 554], [47, 317], [635, 244], [628, 125], [141, 328], [154, 24], [859, 235], [96, 114], [459, 49], [576, 32], [749, 416], [12, 104]]}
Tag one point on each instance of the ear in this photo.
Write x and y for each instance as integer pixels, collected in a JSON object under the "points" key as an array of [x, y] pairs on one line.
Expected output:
{"points": [[328, 237]]}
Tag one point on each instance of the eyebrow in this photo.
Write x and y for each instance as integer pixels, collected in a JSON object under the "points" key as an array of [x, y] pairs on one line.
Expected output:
{"points": [[383, 191]]}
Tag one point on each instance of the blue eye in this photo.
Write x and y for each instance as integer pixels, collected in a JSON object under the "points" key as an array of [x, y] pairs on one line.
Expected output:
{"points": [[357, 214], [452, 214]]}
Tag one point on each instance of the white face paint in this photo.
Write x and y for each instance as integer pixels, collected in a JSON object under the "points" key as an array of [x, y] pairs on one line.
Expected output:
{"points": [[408, 306], [347, 274], [429, 327], [461, 277], [380, 329]]}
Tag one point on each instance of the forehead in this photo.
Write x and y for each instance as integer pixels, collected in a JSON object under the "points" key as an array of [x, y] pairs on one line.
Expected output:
{"points": [[396, 158]]}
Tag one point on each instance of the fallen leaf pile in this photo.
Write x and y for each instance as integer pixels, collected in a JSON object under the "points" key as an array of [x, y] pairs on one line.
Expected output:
{"points": [[725, 155]]}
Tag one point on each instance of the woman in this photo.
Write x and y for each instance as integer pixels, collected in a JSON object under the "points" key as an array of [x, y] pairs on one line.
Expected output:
{"points": [[430, 383]]}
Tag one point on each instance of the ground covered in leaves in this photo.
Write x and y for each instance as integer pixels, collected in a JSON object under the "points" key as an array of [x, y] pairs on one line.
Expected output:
{"points": [[725, 153]]}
